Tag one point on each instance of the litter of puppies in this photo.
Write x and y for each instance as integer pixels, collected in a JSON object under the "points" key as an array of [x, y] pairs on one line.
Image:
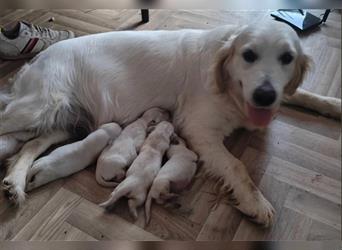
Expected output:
{"points": [[116, 158], [128, 159], [143, 170]]}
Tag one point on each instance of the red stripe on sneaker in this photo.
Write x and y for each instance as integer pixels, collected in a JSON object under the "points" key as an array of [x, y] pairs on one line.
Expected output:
{"points": [[27, 44], [31, 46]]}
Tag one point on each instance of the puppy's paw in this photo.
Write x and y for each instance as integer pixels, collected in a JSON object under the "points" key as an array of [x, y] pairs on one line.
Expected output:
{"points": [[13, 191], [38, 175]]}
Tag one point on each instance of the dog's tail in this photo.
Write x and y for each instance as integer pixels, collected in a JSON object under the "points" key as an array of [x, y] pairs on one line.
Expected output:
{"points": [[6, 97], [327, 106]]}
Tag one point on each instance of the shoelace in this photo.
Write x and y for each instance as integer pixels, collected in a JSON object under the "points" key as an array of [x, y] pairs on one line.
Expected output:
{"points": [[42, 30]]}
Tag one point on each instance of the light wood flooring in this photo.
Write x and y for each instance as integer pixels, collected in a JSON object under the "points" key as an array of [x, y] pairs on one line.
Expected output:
{"points": [[296, 162]]}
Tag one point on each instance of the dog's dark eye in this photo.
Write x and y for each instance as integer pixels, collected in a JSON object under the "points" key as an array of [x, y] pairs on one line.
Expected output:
{"points": [[249, 56], [286, 58]]}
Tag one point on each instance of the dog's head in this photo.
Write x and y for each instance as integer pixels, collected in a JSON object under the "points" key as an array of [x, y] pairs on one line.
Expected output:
{"points": [[257, 66]]}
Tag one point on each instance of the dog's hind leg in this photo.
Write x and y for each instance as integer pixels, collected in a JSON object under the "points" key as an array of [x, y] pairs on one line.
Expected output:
{"points": [[11, 143], [15, 181], [328, 106], [20, 115]]}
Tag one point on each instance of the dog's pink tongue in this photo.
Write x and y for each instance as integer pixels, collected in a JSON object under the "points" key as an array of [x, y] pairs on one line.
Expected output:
{"points": [[259, 116]]}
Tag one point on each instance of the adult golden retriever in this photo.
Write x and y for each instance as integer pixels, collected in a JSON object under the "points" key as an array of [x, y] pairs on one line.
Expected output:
{"points": [[213, 81]]}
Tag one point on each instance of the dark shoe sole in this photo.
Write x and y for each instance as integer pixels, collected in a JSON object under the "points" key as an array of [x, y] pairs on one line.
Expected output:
{"points": [[18, 57]]}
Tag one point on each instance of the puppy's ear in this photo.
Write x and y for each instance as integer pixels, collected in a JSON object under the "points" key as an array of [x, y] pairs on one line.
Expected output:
{"points": [[303, 63]]}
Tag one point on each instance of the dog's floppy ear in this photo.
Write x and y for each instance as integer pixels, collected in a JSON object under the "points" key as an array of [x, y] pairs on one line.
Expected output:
{"points": [[224, 54], [220, 75], [303, 63]]}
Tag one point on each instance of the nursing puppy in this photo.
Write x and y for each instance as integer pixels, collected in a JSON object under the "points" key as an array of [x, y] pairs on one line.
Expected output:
{"points": [[144, 169], [71, 158], [19, 164], [174, 176], [116, 158]]}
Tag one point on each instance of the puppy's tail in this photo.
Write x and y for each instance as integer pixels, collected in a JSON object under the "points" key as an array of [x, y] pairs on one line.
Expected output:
{"points": [[120, 191], [328, 106], [148, 204], [157, 187]]}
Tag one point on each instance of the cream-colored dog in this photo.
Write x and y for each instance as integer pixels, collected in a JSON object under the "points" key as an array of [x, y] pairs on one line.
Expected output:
{"points": [[116, 158], [144, 169], [71, 158], [174, 176], [212, 81]]}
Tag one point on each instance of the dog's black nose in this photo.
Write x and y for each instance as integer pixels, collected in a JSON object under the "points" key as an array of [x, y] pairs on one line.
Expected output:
{"points": [[264, 95]]}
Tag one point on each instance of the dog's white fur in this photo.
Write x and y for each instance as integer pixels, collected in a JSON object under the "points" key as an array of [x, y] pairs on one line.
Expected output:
{"points": [[174, 176], [143, 170], [71, 158], [11, 143], [198, 75], [328, 106], [116, 158], [15, 182]]}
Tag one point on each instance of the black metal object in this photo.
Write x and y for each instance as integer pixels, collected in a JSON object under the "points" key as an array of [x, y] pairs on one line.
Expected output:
{"points": [[300, 19], [145, 15]]}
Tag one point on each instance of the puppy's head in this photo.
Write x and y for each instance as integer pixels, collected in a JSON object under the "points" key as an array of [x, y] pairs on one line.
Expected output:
{"points": [[164, 128], [257, 66], [155, 115]]}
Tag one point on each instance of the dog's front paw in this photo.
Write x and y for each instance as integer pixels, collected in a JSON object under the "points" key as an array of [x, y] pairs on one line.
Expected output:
{"points": [[261, 212], [13, 191]]}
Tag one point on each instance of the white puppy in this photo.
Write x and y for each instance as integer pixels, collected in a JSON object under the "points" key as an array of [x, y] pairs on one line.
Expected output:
{"points": [[115, 159], [19, 165], [174, 176], [71, 158], [144, 169]]}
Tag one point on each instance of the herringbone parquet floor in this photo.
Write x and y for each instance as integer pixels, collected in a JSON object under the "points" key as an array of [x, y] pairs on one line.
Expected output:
{"points": [[296, 162]]}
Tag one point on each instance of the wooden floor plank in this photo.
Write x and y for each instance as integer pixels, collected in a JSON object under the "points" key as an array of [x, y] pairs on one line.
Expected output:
{"points": [[92, 220], [66, 232], [221, 224], [314, 207], [281, 131], [13, 219], [305, 179], [50, 217], [320, 231]]}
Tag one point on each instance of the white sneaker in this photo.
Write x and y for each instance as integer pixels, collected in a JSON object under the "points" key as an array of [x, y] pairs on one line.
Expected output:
{"points": [[26, 40]]}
